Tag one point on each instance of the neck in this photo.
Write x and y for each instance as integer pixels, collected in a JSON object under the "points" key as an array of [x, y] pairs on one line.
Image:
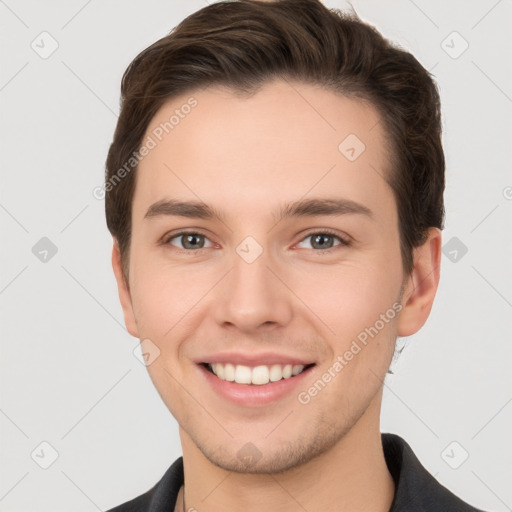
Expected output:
{"points": [[351, 476]]}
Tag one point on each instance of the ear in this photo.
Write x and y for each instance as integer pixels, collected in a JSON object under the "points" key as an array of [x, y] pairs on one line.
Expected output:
{"points": [[124, 292], [421, 285]]}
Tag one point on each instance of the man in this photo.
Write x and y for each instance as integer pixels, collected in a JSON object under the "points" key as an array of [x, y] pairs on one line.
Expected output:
{"points": [[275, 194]]}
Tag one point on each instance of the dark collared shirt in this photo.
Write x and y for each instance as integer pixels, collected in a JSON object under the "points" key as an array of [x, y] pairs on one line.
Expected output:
{"points": [[416, 490]]}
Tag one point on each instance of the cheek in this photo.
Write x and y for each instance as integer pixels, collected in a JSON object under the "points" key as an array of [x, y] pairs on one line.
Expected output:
{"points": [[349, 297], [358, 306], [168, 297]]}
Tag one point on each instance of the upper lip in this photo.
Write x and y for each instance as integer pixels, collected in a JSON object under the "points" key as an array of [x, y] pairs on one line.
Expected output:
{"points": [[254, 359]]}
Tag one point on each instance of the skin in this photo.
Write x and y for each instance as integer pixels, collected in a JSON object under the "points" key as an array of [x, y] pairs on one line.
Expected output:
{"points": [[246, 157]]}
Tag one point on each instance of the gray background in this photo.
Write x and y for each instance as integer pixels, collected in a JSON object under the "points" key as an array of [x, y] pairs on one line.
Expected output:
{"points": [[69, 376]]}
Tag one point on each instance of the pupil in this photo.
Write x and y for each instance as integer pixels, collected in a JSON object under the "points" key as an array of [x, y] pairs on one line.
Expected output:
{"points": [[189, 240], [319, 238]]}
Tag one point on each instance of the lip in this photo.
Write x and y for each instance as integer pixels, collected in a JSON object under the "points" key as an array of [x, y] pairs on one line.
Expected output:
{"points": [[252, 360], [250, 395]]}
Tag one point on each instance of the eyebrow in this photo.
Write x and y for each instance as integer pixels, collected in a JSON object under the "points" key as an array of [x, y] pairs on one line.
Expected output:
{"points": [[302, 208]]}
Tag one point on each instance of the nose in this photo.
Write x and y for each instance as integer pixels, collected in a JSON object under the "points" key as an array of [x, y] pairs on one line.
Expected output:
{"points": [[252, 296]]}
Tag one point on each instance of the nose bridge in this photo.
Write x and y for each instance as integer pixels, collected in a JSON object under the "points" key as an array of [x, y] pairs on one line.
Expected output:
{"points": [[251, 295]]}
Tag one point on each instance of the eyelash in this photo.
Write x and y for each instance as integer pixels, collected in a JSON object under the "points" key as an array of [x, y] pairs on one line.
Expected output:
{"points": [[344, 242]]}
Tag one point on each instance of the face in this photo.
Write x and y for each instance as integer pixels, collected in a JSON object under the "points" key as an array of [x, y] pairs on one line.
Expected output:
{"points": [[289, 264]]}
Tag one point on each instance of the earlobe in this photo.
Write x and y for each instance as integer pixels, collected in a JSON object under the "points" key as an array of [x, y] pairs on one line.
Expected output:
{"points": [[421, 285], [124, 292]]}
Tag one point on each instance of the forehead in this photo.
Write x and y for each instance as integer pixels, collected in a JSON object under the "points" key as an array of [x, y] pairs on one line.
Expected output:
{"points": [[282, 143]]}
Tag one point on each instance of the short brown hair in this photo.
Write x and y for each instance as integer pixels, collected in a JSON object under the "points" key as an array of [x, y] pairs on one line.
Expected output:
{"points": [[243, 44]]}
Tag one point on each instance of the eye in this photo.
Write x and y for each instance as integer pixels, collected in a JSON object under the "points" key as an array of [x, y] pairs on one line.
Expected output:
{"points": [[324, 240], [190, 240], [193, 241]]}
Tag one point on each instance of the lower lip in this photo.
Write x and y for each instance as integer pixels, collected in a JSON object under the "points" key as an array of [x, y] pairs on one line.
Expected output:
{"points": [[252, 394]]}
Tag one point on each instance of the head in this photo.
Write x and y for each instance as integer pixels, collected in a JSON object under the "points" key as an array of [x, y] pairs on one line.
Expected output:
{"points": [[251, 109]]}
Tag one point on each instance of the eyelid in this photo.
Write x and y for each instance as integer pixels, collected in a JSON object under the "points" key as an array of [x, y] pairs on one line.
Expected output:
{"points": [[166, 239], [345, 240]]}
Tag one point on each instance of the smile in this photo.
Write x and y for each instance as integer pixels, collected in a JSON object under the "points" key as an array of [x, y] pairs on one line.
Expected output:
{"points": [[257, 375], [253, 386]]}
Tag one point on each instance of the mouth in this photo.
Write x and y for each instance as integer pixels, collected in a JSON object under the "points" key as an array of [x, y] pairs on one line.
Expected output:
{"points": [[255, 375]]}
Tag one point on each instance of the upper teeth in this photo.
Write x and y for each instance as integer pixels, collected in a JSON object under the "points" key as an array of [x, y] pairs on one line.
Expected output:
{"points": [[258, 375]]}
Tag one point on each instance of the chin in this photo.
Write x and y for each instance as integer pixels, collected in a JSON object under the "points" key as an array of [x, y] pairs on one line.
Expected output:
{"points": [[263, 457]]}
